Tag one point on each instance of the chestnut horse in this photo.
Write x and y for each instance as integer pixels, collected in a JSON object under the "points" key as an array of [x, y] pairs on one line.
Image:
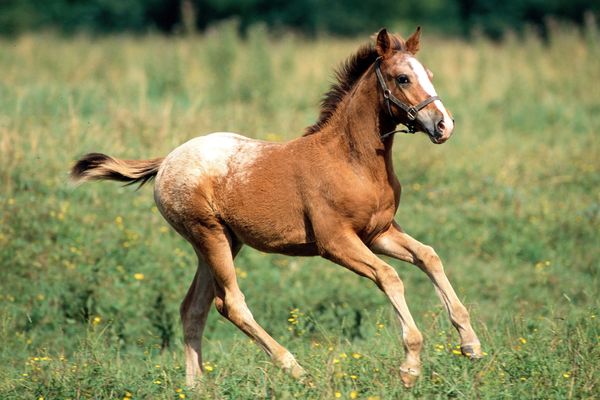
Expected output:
{"points": [[331, 192]]}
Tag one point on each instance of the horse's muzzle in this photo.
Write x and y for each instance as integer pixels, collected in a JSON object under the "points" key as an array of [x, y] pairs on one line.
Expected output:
{"points": [[439, 130]]}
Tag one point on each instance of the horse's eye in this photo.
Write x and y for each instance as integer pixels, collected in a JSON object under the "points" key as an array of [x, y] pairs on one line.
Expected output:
{"points": [[402, 79]]}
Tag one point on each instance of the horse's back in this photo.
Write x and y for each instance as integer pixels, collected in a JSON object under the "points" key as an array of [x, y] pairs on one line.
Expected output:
{"points": [[209, 155]]}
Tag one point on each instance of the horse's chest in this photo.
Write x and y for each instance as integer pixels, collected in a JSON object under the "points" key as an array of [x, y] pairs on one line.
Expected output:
{"points": [[372, 210]]}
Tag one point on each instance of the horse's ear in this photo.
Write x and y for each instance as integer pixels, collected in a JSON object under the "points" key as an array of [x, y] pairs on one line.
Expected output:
{"points": [[412, 43], [384, 44]]}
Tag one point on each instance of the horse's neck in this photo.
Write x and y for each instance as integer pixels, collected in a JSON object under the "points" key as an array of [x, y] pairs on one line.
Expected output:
{"points": [[358, 124]]}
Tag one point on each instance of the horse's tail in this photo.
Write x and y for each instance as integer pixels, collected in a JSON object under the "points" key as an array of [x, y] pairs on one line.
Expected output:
{"points": [[97, 166]]}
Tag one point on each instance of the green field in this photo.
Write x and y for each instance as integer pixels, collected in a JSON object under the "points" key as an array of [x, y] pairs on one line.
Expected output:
{"points": [[92, 276]]}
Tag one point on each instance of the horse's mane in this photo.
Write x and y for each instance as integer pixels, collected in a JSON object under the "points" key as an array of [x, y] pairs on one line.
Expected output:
{"points": [[346, 76]]}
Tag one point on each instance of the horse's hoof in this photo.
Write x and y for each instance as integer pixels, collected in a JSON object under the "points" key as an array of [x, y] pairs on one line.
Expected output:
{"points": [[307, 381], [472, 351], [297, 372], [409, 376], [300, 374]]}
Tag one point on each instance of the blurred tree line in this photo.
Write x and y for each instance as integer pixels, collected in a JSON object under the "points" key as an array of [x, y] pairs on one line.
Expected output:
{"points": [[340, 17]]}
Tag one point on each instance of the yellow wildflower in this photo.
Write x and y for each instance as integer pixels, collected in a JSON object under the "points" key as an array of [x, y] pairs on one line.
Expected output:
{"points": [[356, 355], [338, 395], [522, 340], [353, 394], [208, 366], [138, 276], [241, 273]]}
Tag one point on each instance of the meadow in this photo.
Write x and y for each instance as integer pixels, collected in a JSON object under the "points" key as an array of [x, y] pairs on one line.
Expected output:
{"points": [[91, 277]]}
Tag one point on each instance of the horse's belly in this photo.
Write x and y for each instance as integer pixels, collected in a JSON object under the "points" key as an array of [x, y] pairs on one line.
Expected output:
{"points": [[272, 226]]}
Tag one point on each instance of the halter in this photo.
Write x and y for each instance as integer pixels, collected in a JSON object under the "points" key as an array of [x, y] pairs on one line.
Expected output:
{"points": [[411, 111]]}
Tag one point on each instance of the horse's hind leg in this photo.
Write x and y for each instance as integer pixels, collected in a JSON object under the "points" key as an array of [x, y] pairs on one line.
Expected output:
{"points": [[215, 245], [397, 244], [194, 311]]}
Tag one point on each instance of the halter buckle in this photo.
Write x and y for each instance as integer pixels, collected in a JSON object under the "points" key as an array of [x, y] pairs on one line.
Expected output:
{"points": [[412, 113], [386, 93]]}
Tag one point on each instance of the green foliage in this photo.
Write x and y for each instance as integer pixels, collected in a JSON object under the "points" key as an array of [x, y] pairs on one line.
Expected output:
{"points": [[312, 17], [92, 276]]}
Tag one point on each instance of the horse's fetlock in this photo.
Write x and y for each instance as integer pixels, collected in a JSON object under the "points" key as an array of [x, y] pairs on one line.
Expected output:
{"points": [[460, 315], [413, 341]]}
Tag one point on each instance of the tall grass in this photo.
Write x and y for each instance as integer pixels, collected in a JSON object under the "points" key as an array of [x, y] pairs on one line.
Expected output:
{"points": [[92, 276]]}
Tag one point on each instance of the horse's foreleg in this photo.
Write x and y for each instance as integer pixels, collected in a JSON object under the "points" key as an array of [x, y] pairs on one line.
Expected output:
{"points": [[194, 311], [350, 252], [397, 244]]}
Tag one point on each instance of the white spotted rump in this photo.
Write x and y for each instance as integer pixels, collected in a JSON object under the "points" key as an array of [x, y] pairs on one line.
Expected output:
{"points": [[214, 156]]}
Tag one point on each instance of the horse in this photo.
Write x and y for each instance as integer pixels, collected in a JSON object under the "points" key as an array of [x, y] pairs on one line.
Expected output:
{"points": [[331, 192]]}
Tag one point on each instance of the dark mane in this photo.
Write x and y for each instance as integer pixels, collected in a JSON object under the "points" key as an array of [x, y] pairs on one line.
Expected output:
{"points": [[346, 76]]}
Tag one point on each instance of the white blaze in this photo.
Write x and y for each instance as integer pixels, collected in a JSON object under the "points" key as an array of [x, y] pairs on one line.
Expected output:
{"points": [[426, 84]]}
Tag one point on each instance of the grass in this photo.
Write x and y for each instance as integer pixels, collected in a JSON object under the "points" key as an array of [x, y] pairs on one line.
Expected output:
{"points": [[92, 276]]}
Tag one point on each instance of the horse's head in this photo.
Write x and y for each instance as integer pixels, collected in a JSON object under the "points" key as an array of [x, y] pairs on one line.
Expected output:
{"points": [[408, 94]]}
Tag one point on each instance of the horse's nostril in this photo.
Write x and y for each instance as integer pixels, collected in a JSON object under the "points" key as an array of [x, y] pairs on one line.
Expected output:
{"points": [[441, 126]]}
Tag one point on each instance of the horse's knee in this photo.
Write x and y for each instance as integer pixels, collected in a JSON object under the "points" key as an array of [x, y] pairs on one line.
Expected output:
{"points": [[430, 260], [389, 281]]}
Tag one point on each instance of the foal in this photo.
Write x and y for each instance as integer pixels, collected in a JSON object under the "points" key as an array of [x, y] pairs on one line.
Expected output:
{"points": [[331, 192]]}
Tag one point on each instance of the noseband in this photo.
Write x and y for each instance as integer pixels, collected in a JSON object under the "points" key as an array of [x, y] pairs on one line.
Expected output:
{"points": [[411, 111]]}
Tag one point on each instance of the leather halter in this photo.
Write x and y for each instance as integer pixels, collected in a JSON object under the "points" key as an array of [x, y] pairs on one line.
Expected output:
{"points": [[411, 111]]}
